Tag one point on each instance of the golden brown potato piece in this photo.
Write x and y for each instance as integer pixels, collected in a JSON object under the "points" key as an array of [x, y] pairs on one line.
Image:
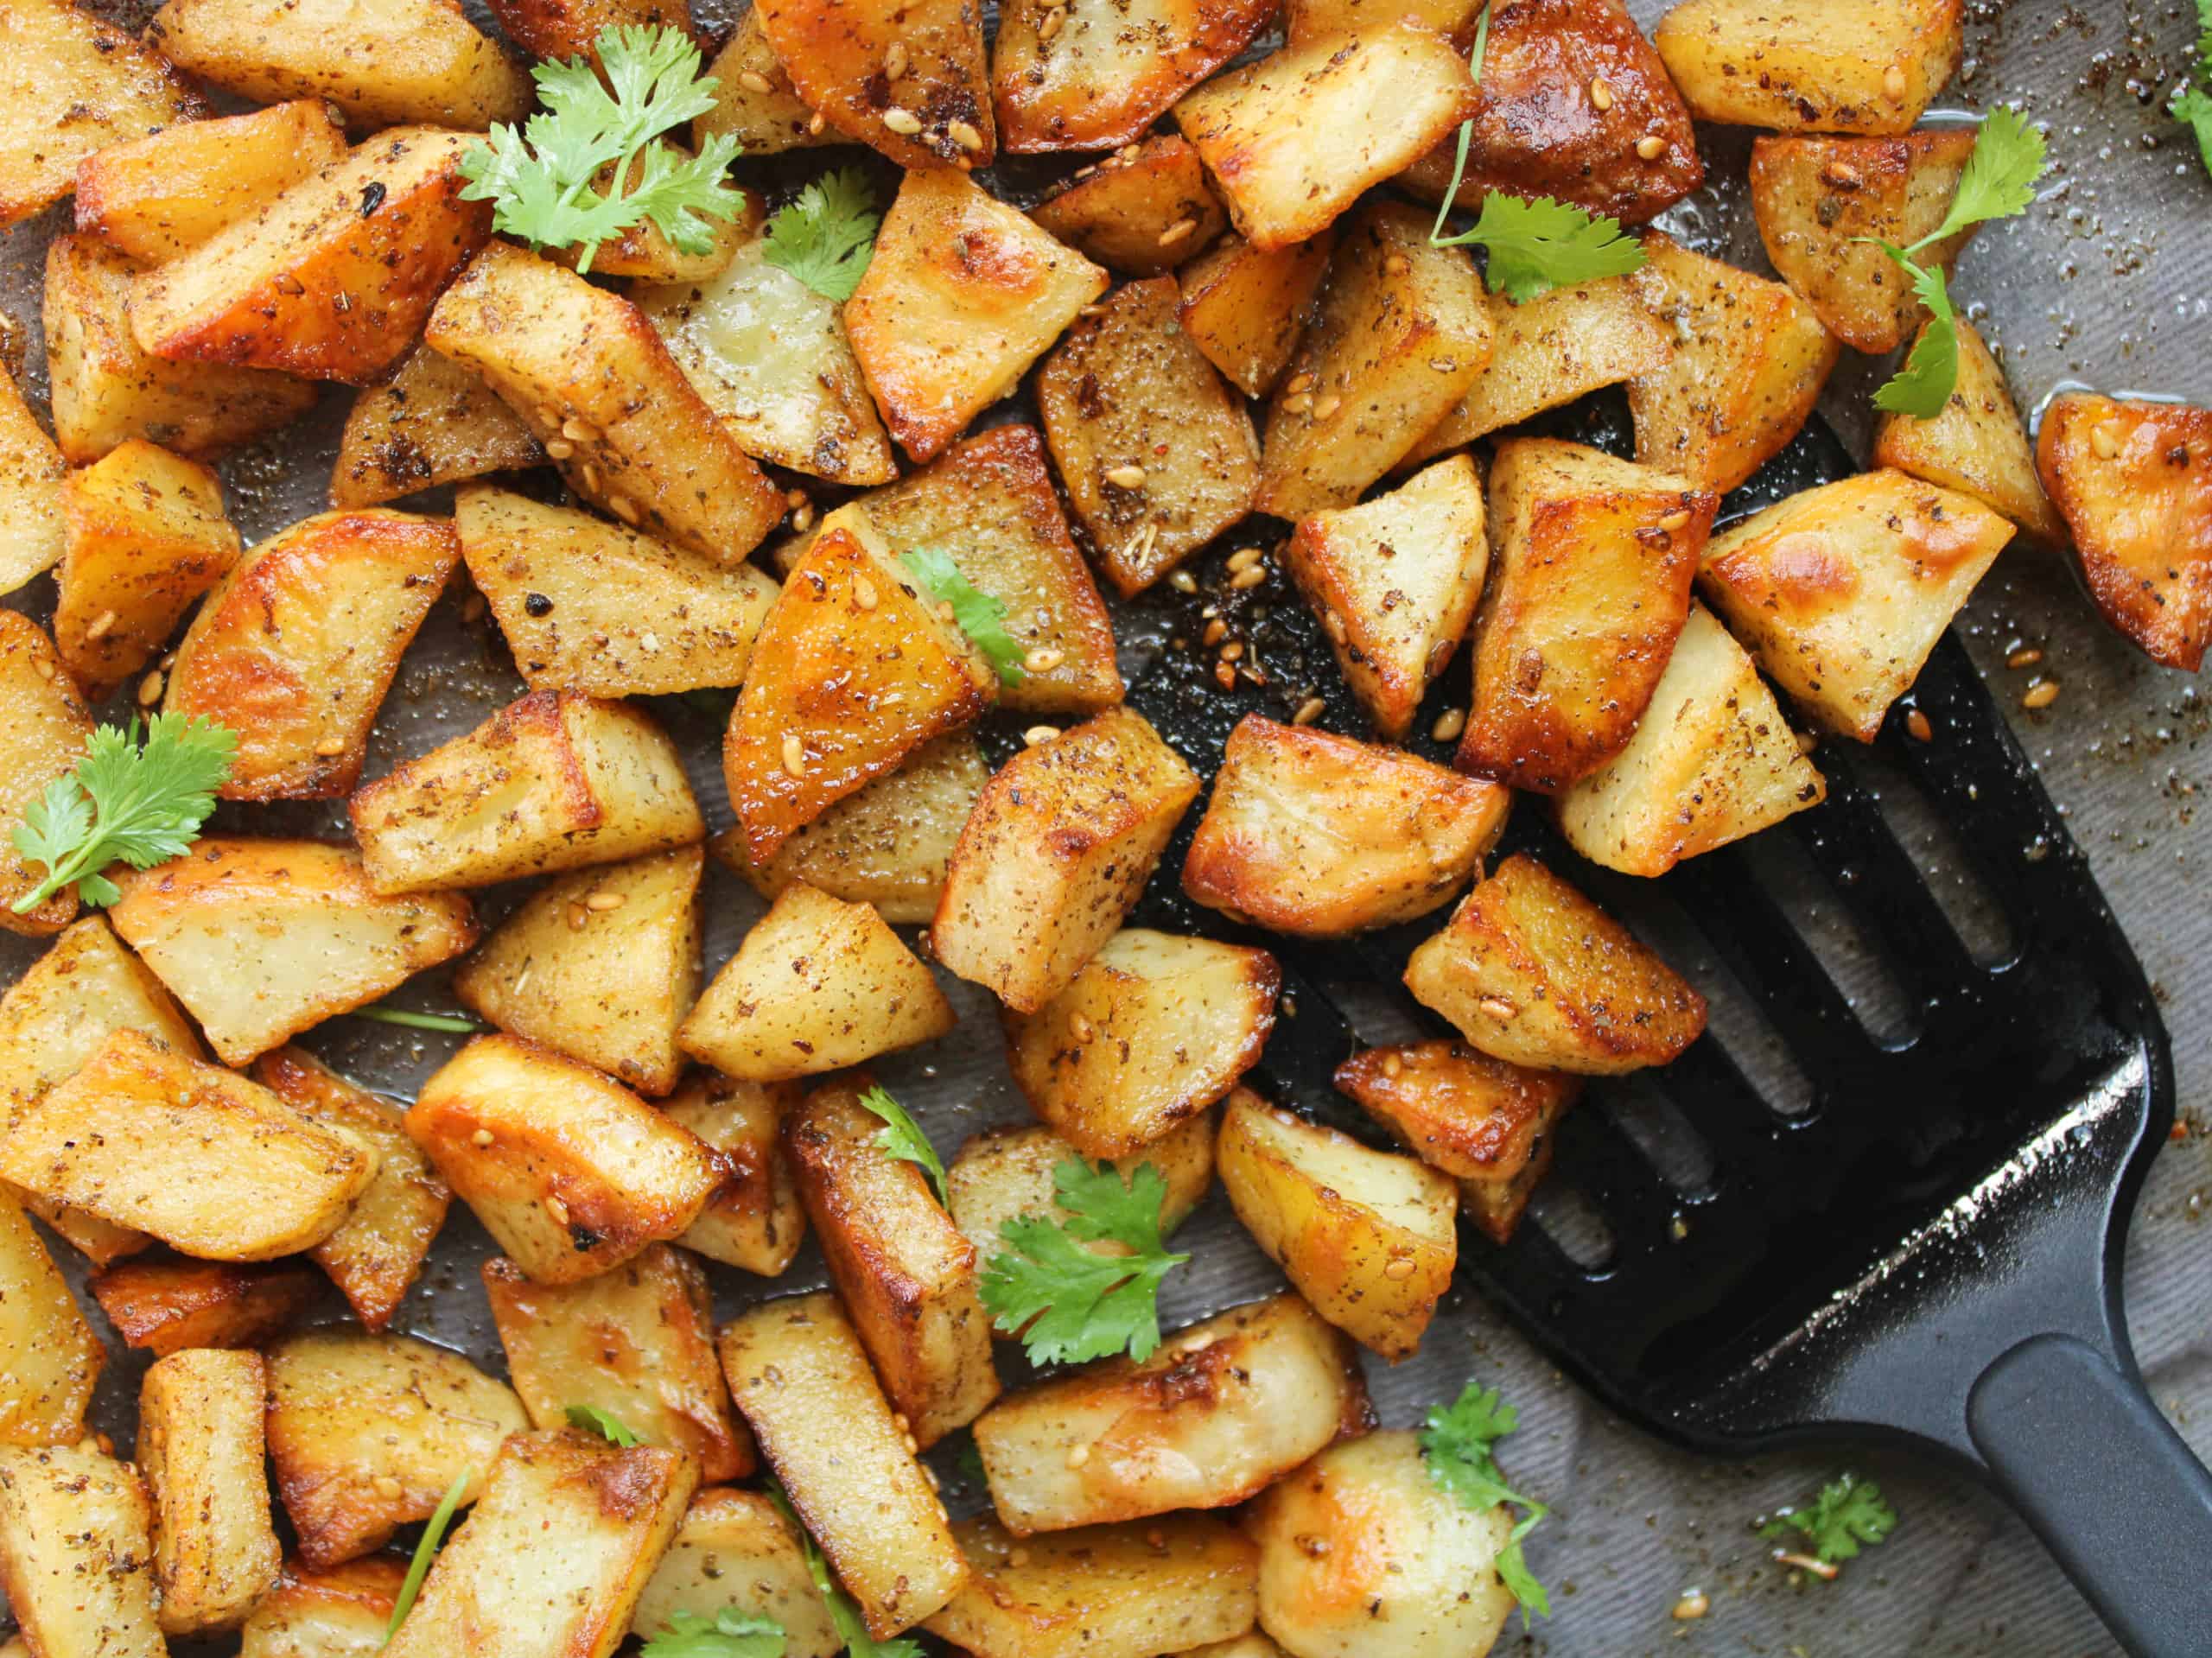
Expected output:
{"points": [[76, 1553], [1403, 330], [1099, 77], [1749, 359], [587, 373], [1976, 445], [934, 109], [432, 421], [552, 782], [1157, 457], [1317, 834], [31, 470], [368, 1432], [1394, 581], [1841, 591], [801, 1378], [571, 1173], [1141, 211], [907, 1277], [571, 28], [386, 65], [296, 648], [313, 285], [46, 727], [735, 1548], [200, 1448], [1004, 1175], [164, 194], [54, 1358], [754, 1220], [1534, 974], [2134, 481], [1056, 853], [962, 294], [166, 1305], [54, 1017], [1292, 140], [816, 985], [341, 1613], [637, 1344], [1713, 761], [754, 99], [1823, 66], [1218, 1414], [1245, 308]]}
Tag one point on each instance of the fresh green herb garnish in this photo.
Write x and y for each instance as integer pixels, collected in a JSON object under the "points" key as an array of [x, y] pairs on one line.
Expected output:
{"points": [[1848, 1512], [460, 1024], [1457, 1443], [1085, 1306], [434, 1532], [2193, 104], [859, 1643], [976, 613], [538, 178], [606, 1423], [826, 238], [902, 1138], [124, 801], [729, 1634]]}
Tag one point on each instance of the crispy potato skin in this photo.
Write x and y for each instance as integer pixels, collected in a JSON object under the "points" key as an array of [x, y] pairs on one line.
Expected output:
{"points": [[200, 1449], [310, 1614], [735, 1547], [571, 28], [1111, 69], [76, 1553], [1140, 214], [54, 1359], [47, 726], [1829, 65], [168, 1306], [834, 55], [430, 422], [1246, 307]]}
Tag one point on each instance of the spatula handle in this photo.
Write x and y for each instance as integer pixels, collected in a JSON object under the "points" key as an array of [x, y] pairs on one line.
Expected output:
{"points": [[2075, 1442]]}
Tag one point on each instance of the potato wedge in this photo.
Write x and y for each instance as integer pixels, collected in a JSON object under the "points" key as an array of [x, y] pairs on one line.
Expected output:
{"points": [[552, 782], [46, 726], [1976, 446], [1319, 835], [1004, 1175], [1841, 591], [754, 1220], [341, 1613], [31, 470], [1226, 1408], [1836, 65], [735, 1548], [54, 1358], [1157, 457], [166, 1306], [1101, 76], [66, 1003], [1056, 853], [296, 648], [816, 985], [801, 1378], [754, 99], [934, 114], [1246, 307], [200, 1449], [1141, 211], [1534, 974], [430, 422], [571, 28], [578, 1174], [76, 1553]]}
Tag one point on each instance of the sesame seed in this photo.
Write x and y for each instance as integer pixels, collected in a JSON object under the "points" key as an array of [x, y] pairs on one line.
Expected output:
{"points": [[1299, 383], [1449, 724], [1243, 558], [1250, 578], [1308, 711], [558, 1211], [1183, 581], [1078, 1456], [1050, 26], [1298, 402], [330, 747], [1081, 1028], [2026, 657], [1037, 734], [894, 60], [1232, 650], [1327, 406], [794, 753], [1176, 232], [559, 448], [2041, 694], [1916, 723], [802, 519], [589, 473], [1215, 631], [1693, 1605], [1129, 476], [965, 135], [101, 623], [905, 122], [2104, 438], [390, 1488], [1650, 147], [753, 81], [1893, 84], [578, 917], [1043, 659], [579, 431], [864, 594], [1224, 675], [1498, 1007], [623, 508], [1601, 94], [1842, 175], [1335, 623], [1675, 521], [816, 123], [600, 903], [1392, 1065], [1398, 1271], [150, 690], [481, 1138]]}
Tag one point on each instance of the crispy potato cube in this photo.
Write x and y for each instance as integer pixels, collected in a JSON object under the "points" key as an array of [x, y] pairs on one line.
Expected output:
{"points": [[76, 1553], [263, 939], [801, 1378], [590, 606], [637, 1342], [1976, 446], [208, 1162], [386, 65], [168, 1306], [578, 1173], [2134, 481], [556, 1554], [1141, 211], [1157, 457], [1423, 1578], [754, 99], [86, 986], [381, 1246], [341, 1613], [1823, 66], [296, 648], [1101, 1592], [1245, 307], [1712, 761], [1534, 974], [46, 726], [1402, 331], [75, 85], [1214, 1417], [54, 1358], [754, 1220], [905, 1274], [588, 374], [835, 55], [367, 1432], [962, 294], [735, 1548], [853, 669], [310, 284], [200, 1448], [1100, 78], [431, 422], [1317, 834], [1841, 591], [571, 28], [107, 387], [1749, 359], [816, 985], [1004, 1175], [553, 781], [164, 194], [1153, 1029], [1056, 853], [31, 470], [601, 965], [1394, 581], [144, 535]]}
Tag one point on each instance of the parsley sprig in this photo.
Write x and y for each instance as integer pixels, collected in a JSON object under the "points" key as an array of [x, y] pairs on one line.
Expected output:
{"points": [[606, 1423], [827, 236], [125, 801], [1456, 1444], [539, 178], [978, 615], [1085, 1306], [902, 1138], [1848, 1512], [426, 1548], [729, 1634], [843, 1614], [2193, 103]]}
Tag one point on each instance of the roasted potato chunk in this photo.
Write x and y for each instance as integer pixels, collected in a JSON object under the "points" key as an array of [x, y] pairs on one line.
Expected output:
{"points": [[164, 194], [1841, 591], [341, 1613], [934, 111], [296, 648], [76, 1553], [200, 1449], [1836, 65], [1534, 974], [31, 470], [54, 1358], [54, 1017], [431, 422], [1141, 211], [571, 28], [1245, 307], [754, 99], [755, 1219], [1101, 76], [46, 726], [737, 1548], [1056, 853], [1004, 1175], [1976, 445], [577, 1174], [166, 1305]]}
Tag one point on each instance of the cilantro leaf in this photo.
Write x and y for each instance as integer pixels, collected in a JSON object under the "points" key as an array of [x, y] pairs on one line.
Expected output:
{"points": [[729, 1634], [1848, 1512], [124, 801], [606, 1423], [902, 1137], [827, 236], [2000, 176], [434, 1532], [1457, 1446], [1536, 246], [978, 615], [1085, 1306], [2193, 104], [1924, 384], [859, 1643]]}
